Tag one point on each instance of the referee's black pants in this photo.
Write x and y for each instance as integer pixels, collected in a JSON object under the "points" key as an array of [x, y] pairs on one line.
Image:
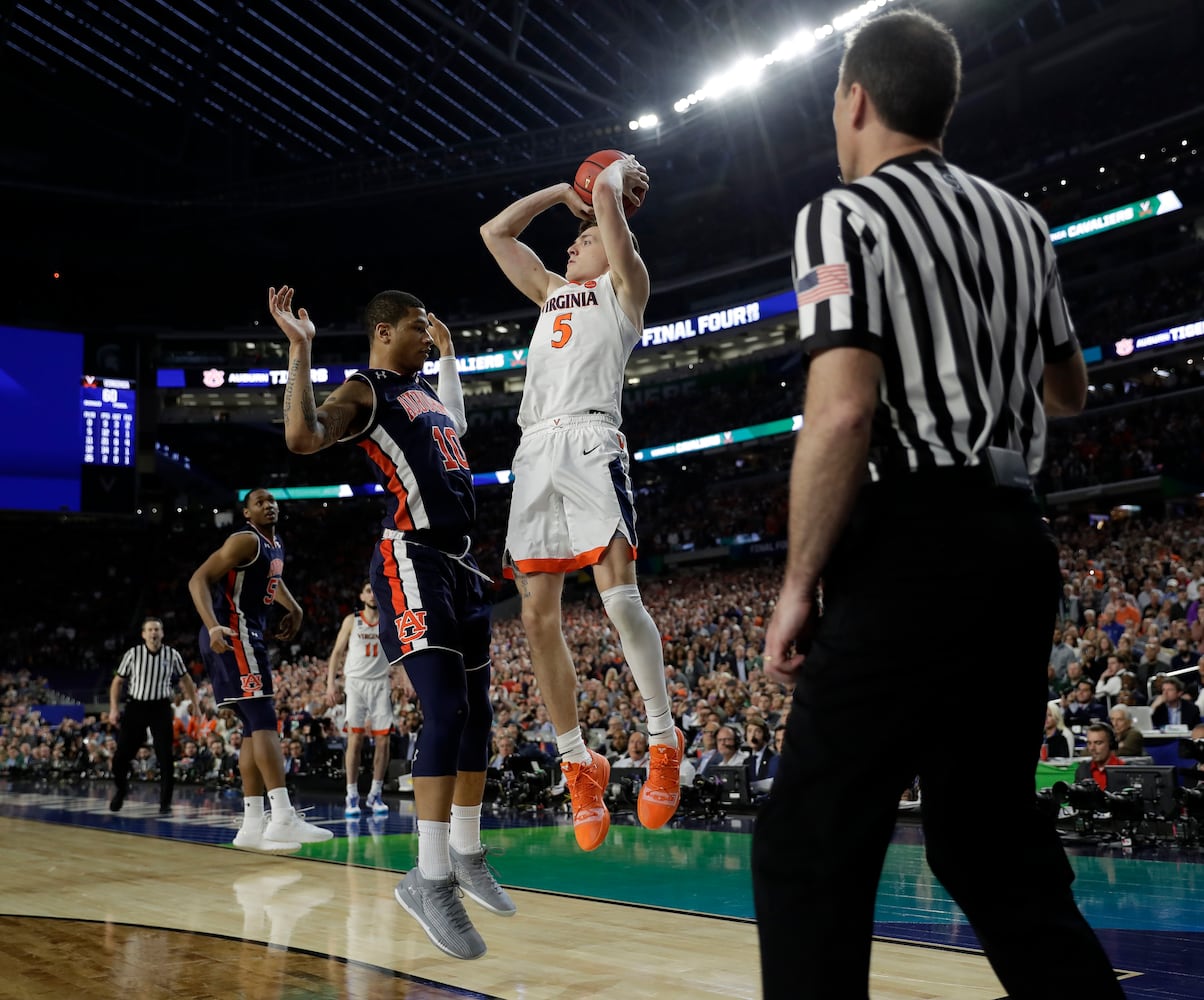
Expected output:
{"points": [[903, 680], [139, 715]]}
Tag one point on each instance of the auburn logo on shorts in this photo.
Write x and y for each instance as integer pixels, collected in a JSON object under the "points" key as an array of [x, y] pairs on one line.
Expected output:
{"points": [[251, 683], [411, 626]]}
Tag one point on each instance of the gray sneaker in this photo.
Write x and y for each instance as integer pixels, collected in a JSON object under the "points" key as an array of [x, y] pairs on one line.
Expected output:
{"points": [[436, 905], [477, 880]]}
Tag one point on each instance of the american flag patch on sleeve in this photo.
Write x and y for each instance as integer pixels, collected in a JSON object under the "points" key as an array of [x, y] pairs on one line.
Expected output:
{"points": [[822, 282]]}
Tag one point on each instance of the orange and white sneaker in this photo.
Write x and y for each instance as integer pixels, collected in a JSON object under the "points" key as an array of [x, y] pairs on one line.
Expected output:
{"points": [[587, 782], [661, 793]]}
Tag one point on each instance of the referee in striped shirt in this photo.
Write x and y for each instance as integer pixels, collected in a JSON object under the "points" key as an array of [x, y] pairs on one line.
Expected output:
{"points": [[932, 317], [151, 669]]}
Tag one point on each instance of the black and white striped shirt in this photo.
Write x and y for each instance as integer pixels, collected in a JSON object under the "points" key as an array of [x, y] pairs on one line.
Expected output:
{"points": [[151, 676], [954, 284]]}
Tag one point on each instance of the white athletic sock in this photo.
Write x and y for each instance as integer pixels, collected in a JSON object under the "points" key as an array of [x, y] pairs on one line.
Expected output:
{"points": [[352, 791], [642, 649], [377, 787], [572, 748], [252, 807], [466, 829], [433, 858], [278, 797]]}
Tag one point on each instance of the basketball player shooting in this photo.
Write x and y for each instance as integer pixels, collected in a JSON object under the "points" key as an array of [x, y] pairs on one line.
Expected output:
{"points": [[572, 467]]}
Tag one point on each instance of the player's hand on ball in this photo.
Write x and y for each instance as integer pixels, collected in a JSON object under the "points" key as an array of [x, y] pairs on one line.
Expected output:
{"points": [[300, 328], [635, 180], [577, 205]]}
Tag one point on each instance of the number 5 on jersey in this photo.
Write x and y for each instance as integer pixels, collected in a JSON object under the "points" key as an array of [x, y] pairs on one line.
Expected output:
{"points": [[563, 329]]}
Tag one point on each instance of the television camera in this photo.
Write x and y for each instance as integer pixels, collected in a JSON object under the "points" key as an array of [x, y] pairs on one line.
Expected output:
{"points": [[520, 783]]}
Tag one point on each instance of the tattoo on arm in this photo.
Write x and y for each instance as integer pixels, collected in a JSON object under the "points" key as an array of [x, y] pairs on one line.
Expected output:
{"points": [[292, 381], [336, 424], [309, 411]]}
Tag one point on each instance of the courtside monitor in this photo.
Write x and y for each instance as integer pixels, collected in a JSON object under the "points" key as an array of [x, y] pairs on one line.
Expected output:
{"points": [[1157, 784]]}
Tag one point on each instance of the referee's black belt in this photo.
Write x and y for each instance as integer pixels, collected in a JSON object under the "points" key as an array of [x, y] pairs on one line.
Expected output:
{"points": [[148, 701], [997, 469]]}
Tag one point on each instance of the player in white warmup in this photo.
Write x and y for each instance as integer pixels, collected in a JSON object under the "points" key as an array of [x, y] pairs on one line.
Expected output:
{"points": [[369, 707]]}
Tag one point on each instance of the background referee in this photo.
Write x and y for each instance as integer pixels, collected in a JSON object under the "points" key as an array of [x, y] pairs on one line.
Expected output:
{"points": [[932, 315], [152, 670]]}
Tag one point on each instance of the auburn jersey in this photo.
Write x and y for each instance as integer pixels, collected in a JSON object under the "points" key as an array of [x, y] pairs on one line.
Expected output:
{"points": [[243, 596], [416, 455]]}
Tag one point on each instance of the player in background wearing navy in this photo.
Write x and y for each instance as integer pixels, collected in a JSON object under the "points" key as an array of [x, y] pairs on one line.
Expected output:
{"points": [[572, 504], [233, 591], [427, 585], [357, 652]]}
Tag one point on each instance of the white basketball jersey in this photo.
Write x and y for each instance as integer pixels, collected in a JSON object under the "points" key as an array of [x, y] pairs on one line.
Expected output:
{"points": [[578, 354], [365, 660]]}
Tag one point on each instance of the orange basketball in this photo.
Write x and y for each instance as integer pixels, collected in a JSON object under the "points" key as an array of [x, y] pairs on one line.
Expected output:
{"points": [[587, 173]]}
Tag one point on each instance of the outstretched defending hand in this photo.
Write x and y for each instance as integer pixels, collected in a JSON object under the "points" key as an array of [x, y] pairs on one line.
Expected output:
{"points": [[300, 328]]}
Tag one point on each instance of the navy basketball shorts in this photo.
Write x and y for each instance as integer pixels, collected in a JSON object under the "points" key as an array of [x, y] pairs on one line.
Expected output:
{"points": [[242, 671], [429, 600]]}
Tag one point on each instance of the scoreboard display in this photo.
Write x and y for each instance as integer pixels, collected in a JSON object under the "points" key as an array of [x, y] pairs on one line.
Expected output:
{"points": [[107, 414]]}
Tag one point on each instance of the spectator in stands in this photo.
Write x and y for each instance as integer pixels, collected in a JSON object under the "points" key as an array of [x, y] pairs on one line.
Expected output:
{"points": [[1129, 686], [1170, 708], [1082, 708], [1184, 656], [505, 750], [729, 755], [760, 753], [1058, 739], [1129, 741], [1101, 753], [637, 752], [1061, 655], [1109, 684], [707, 746]]}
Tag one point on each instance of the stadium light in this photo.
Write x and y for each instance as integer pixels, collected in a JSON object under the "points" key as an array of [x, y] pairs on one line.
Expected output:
{"points": [[748, 71]]}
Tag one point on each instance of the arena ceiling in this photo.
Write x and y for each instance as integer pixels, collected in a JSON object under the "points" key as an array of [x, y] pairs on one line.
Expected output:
{"points": [[139, 134]]}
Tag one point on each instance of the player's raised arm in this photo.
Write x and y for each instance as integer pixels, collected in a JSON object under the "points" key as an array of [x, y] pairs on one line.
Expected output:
{"points": [[308, 427], [625, 178], [518, 261], [449, 389]]}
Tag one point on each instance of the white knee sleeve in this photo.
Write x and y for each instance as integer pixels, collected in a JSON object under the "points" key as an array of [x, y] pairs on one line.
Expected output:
{"points": [[642, 649]]}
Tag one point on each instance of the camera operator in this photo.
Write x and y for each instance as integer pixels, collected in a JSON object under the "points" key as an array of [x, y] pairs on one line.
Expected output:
{"points": [[1101, 753], [1129, 741]]}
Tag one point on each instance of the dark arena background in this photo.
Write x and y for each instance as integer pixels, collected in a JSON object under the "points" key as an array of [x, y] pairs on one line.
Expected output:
{"points": [[163, 164]]}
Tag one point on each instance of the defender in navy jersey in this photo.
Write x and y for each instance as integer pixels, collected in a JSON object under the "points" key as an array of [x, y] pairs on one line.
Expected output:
{"points": [[932, 318], [433, 612], [233, 591]]}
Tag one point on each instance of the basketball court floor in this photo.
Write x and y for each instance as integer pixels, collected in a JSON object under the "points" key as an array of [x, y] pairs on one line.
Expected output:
{"points": [[144, 906]]}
